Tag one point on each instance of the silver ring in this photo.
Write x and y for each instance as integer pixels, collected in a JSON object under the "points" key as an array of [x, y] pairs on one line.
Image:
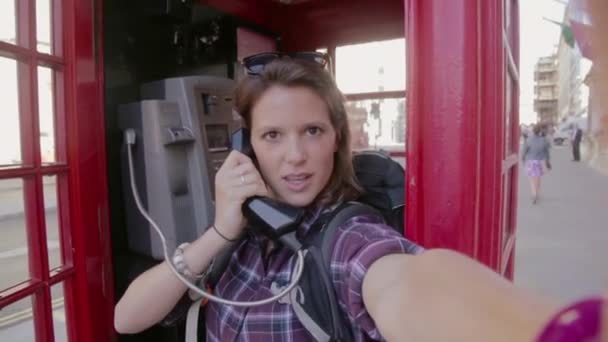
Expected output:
{"points": [[242, 179]]}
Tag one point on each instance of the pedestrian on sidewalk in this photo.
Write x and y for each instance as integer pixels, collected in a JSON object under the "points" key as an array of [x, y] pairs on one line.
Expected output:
{"points": [[577, 136], [535, 156]]}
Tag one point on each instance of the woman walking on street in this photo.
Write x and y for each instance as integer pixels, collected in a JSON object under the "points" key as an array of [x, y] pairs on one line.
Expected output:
{"points": [[535, 154]]}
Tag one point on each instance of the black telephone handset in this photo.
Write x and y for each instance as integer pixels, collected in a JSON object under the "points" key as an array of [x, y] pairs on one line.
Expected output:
{"points": [[266, 216]]}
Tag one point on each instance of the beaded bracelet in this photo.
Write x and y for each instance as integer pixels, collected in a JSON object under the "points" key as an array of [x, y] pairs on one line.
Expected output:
{"points": [[180, 263]]}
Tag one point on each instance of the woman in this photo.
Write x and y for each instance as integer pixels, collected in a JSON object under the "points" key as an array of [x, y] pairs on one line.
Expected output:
{"points": [[300, 136], [387, 287], [535, 155]]}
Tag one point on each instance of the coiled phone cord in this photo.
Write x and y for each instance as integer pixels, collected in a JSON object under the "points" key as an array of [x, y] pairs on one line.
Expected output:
{"points": [[298, 268]]}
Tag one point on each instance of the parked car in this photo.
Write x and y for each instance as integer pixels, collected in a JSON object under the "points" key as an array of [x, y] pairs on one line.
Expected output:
{"points": [[563, 131], [561, 136]]}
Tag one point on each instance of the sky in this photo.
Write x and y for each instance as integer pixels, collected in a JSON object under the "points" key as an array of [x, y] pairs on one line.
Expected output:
{"points": [[538, 38]]}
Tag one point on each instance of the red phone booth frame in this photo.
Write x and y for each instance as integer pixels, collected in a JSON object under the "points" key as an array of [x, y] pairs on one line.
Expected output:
{"points": [[462, 112]]}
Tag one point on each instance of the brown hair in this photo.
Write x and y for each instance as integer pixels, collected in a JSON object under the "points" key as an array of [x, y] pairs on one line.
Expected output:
{"points": [[537, 129], [342, 185]]}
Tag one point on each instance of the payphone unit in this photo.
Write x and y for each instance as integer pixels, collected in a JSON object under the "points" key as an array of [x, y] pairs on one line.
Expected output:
{"points": [[182, 131]]}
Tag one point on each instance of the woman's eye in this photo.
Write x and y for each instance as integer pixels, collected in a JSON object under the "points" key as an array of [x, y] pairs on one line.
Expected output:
{"points": [[271, 135], [314, 130]]}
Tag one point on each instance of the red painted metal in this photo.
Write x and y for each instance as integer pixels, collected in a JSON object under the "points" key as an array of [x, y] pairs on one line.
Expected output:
{"points": [[19, 291], [15, 171], [443, 113], [311, 24], [12, 51], [65, 227], [456, 158], [514, 61], [492, 127], [57, 29], [459, 195], [92, 285], [59, 110], [24, 10], [81, 186], [455, 184], [33, 195], [322, 23], [18, 171], [262, 13], [49, 60]]}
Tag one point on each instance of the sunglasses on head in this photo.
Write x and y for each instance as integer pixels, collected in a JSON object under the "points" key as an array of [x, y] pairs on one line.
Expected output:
{"points": [[255, 64]]}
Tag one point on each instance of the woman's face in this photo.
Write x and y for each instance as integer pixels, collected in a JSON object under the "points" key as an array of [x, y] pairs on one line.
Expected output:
{"points": [[294, 143]]}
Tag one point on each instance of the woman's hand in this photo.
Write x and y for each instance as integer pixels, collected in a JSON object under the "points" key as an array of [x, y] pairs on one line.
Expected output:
{"points": [[237, 180]]}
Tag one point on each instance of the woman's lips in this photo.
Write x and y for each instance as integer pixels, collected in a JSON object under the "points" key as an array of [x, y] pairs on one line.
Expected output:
{"points": [[298, 183]]}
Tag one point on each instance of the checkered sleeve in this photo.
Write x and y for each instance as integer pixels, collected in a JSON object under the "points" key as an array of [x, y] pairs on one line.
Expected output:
{"points": [[358, 244]]}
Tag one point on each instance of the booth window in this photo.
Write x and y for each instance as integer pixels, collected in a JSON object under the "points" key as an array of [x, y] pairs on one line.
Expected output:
{"points": [[372, 77], [36, 264]]}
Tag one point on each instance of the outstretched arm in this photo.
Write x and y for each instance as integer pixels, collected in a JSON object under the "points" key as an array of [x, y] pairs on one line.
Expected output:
{"points": [[442, 295], [153, 294]]}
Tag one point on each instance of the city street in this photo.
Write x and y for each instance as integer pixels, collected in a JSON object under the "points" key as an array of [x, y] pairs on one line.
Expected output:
{"points": [[562, 242]]}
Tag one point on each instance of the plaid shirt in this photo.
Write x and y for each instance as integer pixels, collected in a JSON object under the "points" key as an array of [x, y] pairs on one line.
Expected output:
{"points": [[249, 275]]}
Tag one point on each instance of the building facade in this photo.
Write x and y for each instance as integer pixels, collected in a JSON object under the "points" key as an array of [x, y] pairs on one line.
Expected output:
{"points": [[569, 76], [546, 89]]}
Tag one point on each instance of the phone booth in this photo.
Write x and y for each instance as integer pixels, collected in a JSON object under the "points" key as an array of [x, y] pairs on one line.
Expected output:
{"points": [[70, 66]]}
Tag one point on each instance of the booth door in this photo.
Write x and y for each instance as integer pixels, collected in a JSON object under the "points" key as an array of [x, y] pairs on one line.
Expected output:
{"points": [[511, 135], [52, 189]]}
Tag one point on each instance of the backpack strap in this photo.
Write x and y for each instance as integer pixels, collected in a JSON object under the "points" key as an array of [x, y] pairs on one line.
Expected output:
{"points": [[340, 215], [192, 321], [320, 246]]}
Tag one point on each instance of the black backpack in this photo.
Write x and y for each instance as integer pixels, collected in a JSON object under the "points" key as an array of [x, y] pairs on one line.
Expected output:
{"points": [[383, 182]]}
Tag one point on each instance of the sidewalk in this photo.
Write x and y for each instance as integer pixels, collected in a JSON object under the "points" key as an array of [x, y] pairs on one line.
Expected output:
{"points": [[12, 199], [562, 242]]}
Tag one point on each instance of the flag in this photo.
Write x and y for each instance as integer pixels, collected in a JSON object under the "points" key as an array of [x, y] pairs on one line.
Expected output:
{"points": [[566, 32], [579, 16], [568, 35], [582, 35]]}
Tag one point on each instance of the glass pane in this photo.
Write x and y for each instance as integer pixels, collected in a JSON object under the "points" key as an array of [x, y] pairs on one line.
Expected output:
{"points": [[10, 138], [17, 322], [506, 210], [13, 237], [8, 32], [377, 124], [58, 305], [46, 112], [43, 25], [371, 67], [53, 237]]}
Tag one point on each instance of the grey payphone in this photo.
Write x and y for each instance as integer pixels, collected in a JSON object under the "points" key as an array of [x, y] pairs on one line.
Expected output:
{"points": [[183, 136]]}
